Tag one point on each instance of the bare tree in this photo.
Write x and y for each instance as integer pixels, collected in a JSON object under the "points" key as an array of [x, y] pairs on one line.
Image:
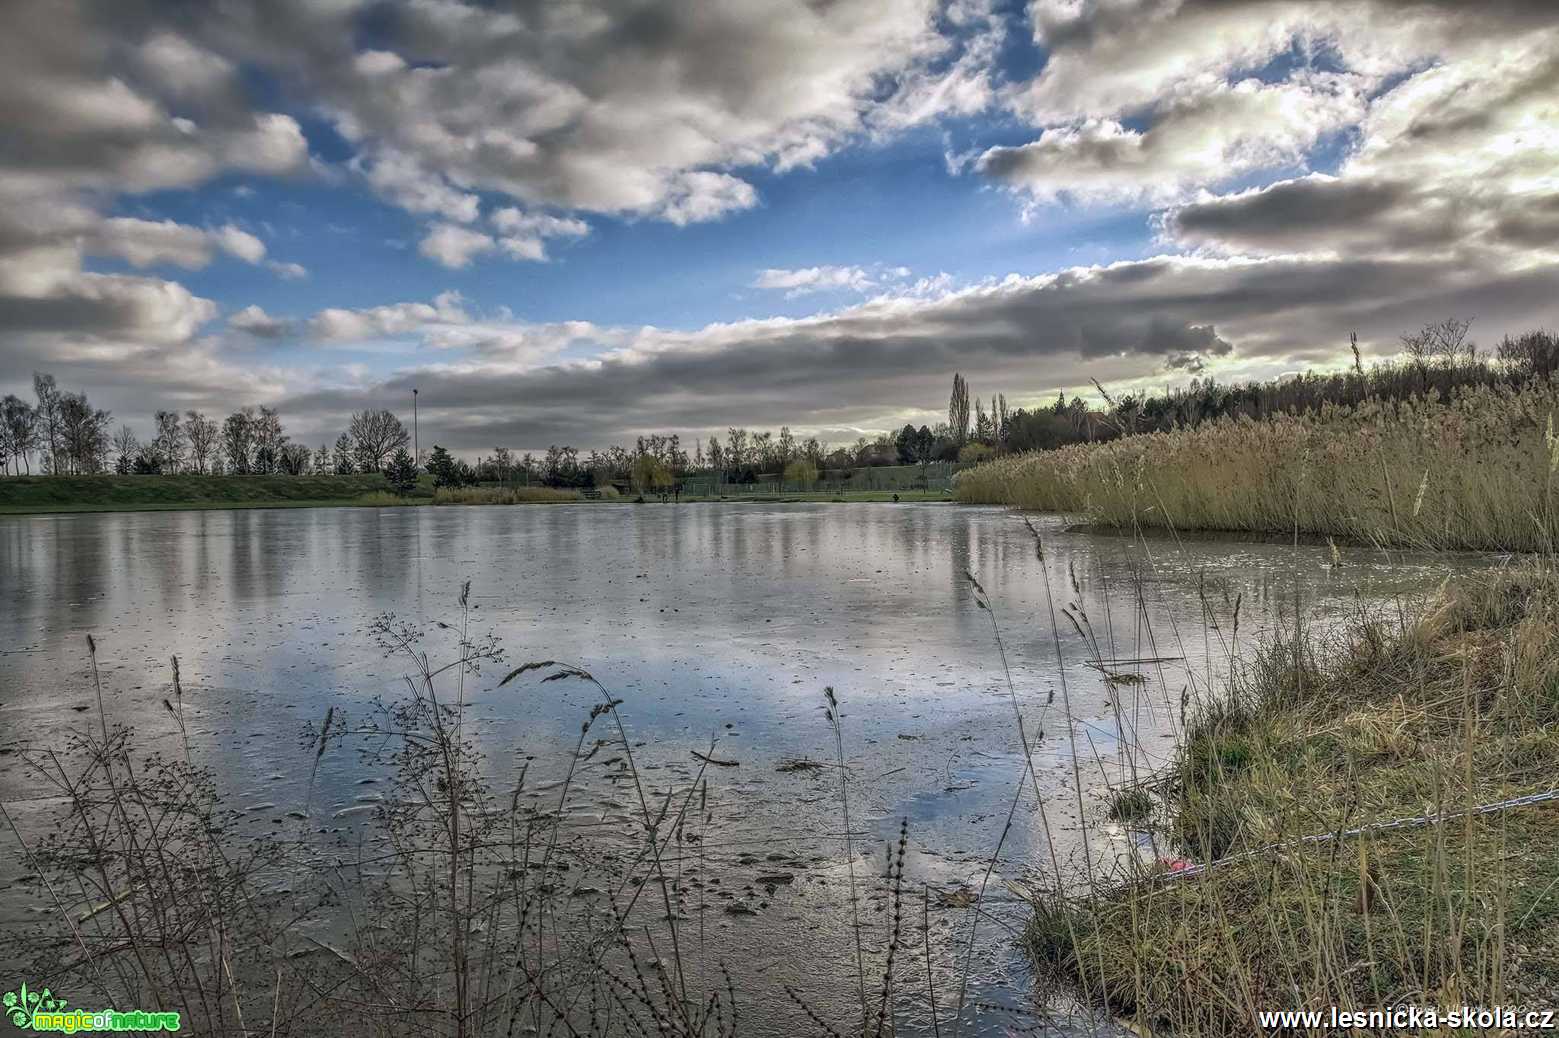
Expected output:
{"points": [[378, 435], [202, 433], [1444, 340], [958, 410], [238, 441], [293, 459], [19, 427], [83, 434], [1532, 354], [48, 412], [736, 450], [269, 442], [168, 444], [127, 447]]}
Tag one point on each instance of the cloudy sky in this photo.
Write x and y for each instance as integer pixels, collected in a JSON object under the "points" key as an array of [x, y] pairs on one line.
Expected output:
{"points": [[574, 220]]}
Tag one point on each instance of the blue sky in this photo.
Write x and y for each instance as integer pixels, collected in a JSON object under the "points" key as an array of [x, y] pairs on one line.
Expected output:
{"points": [[888, 204], [575, 224]]}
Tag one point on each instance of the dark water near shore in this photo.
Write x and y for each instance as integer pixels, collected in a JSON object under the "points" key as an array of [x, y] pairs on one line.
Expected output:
{"points": [[711, 622]]}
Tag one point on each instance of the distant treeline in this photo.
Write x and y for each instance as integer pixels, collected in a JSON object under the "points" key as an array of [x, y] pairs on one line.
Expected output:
{"points": [[61, 433], [1440, 359]]}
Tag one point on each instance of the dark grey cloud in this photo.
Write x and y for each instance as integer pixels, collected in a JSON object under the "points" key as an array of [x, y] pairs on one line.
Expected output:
{"points": [[1302, 214], [1273, 215], [867, 366]]}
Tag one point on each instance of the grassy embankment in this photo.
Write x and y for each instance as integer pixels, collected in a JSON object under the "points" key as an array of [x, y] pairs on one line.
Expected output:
{"points": [[1474, 473], [44, 494], [23, 494], [1456, 708]]}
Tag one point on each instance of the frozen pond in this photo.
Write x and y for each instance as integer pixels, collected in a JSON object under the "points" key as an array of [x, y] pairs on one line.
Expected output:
{"points": [[711, 622]]}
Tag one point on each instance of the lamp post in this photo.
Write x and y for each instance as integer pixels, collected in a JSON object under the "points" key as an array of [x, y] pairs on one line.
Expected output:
{"points": [[416, 442]]}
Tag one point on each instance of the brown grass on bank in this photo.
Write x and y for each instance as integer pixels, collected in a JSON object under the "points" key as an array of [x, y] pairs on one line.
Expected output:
{"points": [[1477, 472], [1454, 709]]}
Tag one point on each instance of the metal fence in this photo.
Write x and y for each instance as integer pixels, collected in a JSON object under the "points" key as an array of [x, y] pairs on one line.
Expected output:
{"points": [[937, 478], [836, 488]]}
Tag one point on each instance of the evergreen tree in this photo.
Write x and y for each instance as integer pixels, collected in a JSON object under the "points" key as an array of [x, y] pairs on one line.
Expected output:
{"points": [[443, 468], [401, 472]]}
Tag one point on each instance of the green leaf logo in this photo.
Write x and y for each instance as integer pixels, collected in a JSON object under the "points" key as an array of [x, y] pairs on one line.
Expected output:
{"points": [[22, 1005]]}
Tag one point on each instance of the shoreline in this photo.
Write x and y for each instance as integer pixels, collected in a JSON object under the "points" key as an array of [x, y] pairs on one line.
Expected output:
{"points": [[89, 508], [1256, 899]]}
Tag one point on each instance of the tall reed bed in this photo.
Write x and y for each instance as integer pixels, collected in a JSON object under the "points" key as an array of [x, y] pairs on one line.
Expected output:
{"points": [[1304, 894], [1476, 472]]}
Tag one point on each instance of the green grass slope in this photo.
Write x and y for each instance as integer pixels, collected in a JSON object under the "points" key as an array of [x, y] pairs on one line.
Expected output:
{"points": [[115, 493]]}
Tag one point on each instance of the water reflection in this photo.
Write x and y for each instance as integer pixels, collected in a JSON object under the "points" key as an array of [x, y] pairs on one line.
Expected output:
{"points": [[711, 622]]}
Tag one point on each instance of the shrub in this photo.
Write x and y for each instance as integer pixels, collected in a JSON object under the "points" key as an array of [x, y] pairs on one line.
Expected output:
{"points": [[974, 453], [801, 471], [1131, 805]]}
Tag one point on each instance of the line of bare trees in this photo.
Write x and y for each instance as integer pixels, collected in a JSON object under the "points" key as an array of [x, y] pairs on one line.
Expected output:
{"points": [[61, 433], [62, 430]]}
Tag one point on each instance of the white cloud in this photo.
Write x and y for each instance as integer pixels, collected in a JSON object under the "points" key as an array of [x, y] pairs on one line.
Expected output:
{"points": [[1209, 136], [1147, 102], [1455, 157], [498, 340], [962, 86], [145, 243], [288, 271], [341, 325], [806, 280], [239, 242], [148, 243], [623, 111], [182, 68], [255, 321], [453, 246], [402, 181], [700, 196], [523, 235]]}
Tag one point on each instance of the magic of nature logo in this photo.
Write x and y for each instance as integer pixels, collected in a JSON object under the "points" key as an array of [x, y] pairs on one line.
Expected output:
{"points": [[44, 1011]]}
